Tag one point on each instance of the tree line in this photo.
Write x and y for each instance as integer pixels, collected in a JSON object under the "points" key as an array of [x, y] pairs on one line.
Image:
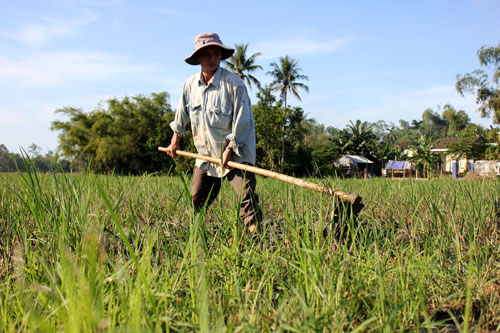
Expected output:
{"points": [[122, 135], [32, 158]]}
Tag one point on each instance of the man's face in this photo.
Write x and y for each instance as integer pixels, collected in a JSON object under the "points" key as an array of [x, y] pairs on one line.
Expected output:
{"points": [[209, 59]]}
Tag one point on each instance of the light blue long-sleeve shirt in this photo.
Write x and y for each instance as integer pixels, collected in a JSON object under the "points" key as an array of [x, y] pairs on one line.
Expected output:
{"points": [[219, 112]]}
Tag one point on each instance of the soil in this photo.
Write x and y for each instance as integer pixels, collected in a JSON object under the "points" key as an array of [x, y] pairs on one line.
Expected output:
{"points": [[471, 175]]}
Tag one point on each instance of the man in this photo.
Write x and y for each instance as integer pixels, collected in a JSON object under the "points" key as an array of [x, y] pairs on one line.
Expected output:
{"points": [[216, 103]]}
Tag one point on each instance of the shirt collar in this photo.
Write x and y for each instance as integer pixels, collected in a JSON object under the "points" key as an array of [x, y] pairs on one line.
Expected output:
{"points": [[215, 79]]}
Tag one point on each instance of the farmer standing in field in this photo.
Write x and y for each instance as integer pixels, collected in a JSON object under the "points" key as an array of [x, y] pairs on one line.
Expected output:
{"points": [[216, 103]]}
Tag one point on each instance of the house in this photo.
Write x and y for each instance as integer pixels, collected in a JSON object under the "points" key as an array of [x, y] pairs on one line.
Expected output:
{"points": [[405, 148], [398, 168], [463, 162], [355, 165], [487, 168]]}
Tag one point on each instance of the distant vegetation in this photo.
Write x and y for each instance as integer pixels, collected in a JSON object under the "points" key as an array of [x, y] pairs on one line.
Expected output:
{"points": [[12, 162]]}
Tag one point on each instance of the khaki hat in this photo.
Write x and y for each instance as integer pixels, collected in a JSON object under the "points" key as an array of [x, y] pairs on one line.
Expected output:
{"points": [[208, 39]]}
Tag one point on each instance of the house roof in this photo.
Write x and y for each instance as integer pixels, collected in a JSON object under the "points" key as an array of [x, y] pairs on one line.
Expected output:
{"points": [[352, 160], [398, 165], [442, 143]]}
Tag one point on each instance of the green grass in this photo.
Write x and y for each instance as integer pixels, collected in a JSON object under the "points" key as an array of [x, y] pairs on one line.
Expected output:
{"points": [[111, 253]]}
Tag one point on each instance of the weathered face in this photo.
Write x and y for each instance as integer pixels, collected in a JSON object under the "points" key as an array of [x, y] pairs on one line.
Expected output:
{"points": [[209, 59]]}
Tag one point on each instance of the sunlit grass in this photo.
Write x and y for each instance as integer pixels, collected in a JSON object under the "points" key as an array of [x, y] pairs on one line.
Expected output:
{"points": [[102, 253]]}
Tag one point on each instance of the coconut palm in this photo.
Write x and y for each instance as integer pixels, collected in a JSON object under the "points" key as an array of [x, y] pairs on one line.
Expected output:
{"points": [[286, 76], [362, 139], [239, 63]]}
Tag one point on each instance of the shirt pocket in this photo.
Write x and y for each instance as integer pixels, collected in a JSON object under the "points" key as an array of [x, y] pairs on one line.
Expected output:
{"points": [[220, 118], [195, 113]]}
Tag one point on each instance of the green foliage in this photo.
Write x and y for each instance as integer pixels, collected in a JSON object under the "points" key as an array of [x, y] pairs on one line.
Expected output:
{"points": [[362, 140], [492, 152], [379, 141], [323, 156], [469, 148], [50, 162], [405, 132], [357, 139], [273, 123], [487, 93], [387, 151], [432, 124], [286, 77], [242, 65], [7, 160], [493, 135], [322, 153], [422, 156], [341, 141], [122, 137], [448, 124], [269, 122], [456, 120], [472, 131], [297, 155]]}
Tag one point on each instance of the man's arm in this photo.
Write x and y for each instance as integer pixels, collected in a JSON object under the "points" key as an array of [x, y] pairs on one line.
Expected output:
{"points": [[242, 120], [174, 145], [178, 125], [227, 156], [241, 126]]}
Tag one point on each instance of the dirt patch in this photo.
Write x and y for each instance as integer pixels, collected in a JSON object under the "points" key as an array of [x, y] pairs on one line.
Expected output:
{"points": [[471, 175]]}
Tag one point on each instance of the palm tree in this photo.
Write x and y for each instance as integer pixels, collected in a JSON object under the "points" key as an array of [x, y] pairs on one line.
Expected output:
{"points": [[239, 63], [362, 139], [422, 154], [391, 136], [286, 76]]}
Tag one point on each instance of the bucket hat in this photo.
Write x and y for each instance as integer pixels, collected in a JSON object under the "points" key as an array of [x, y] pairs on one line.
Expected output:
{"points": [[204, 40]]}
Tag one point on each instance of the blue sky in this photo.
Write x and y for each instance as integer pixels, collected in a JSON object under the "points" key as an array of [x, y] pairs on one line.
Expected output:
{"points": [[368, 60]]}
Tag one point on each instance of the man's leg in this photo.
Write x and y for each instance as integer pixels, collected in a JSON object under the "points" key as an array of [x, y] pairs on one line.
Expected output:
{"points": [[202, 186], [244, 185]]}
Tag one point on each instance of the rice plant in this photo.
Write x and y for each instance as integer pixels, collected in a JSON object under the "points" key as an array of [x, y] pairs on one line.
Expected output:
{"points": [[86, 252]]}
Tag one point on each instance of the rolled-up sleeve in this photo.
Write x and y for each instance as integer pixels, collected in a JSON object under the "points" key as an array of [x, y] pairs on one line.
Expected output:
{"points": [[242, 119], [181, 116]]}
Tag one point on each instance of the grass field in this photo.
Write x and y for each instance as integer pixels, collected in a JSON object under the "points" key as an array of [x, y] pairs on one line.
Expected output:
{"points": [[112, 253]]}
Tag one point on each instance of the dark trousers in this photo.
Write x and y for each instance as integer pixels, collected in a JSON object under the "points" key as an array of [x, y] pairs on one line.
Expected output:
{"points": [[242, 182]]}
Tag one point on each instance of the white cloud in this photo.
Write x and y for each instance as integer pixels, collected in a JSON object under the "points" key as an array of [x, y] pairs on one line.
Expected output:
{"points": [[299, 45], [50, 28], [62, 67]]}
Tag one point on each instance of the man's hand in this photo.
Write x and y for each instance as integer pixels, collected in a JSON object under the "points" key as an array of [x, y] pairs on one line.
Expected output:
{"points": [[227, 156], [174, 146]]}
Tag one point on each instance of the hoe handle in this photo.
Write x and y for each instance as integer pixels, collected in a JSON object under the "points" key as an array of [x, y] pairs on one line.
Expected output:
{"points": [[352, 198]]}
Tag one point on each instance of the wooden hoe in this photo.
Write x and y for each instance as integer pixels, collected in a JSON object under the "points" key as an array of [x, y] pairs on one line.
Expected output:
{"points": [[350, 203]]}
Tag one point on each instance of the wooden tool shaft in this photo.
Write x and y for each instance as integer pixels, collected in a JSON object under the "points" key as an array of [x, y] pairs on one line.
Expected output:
{"points": [[352, 198]]}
